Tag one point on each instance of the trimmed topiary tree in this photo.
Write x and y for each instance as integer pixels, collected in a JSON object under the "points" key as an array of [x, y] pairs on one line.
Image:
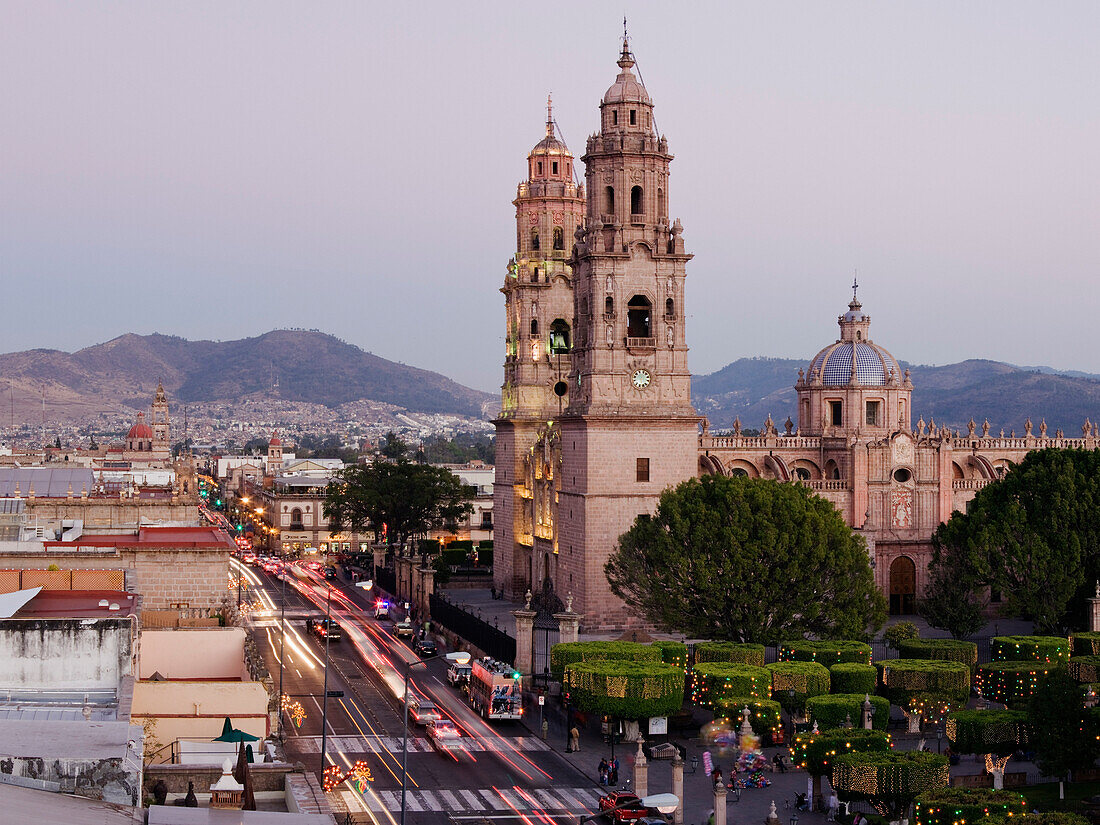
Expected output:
{"points": [[625, 690], [567, 653], [889, 781], [716, 683], [673, 653], [1084, 669], [853, 677], [816, 751], [948, 650], [1043, 818], [920, 685], [792, 683], [834, 709], [825, 653], [1010, 683], [996, 733], [740, 653], [763, 714], [1086, 643], [1044, 649], [965, 806]]}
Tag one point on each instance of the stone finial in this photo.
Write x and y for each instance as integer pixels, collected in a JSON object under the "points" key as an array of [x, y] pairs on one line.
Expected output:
{"points": [[985, 428], [1095, 430], [736, 432], [569, 602], [1002, 432], [815, 731], [1059, 433], [706, 425], [801, 375], [527, 599], [907, 375], [789, 425], [1043, 428], [1086, 428], [1027, 427], [932, 429], [1013, 435], [769, 425], [920, 425], [970, 426], [677, 228]]}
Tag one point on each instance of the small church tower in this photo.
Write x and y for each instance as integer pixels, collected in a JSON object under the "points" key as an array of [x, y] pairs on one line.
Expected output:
{"points": [[162, 436], [274, 454]]}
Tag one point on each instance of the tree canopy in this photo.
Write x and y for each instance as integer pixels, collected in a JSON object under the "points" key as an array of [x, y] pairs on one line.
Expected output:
{"points": [[1031, 536], [398, 500], [1063, 733], [747, 560]]}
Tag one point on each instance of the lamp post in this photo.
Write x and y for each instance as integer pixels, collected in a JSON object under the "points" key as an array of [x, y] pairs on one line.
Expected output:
{"points": [[461, 658], [666, 803], [282, 649], [324, 701]]}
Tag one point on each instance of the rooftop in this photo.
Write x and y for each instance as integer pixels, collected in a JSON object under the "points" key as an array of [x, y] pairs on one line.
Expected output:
{"points": [[193, 537]]}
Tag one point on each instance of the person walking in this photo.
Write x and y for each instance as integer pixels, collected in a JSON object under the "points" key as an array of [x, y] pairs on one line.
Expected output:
{"points": [[603, 771], [779, 765], [574, 739]]}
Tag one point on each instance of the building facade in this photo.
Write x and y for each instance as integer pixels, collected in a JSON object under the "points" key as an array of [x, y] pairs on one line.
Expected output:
{"points": [[577, 463]]}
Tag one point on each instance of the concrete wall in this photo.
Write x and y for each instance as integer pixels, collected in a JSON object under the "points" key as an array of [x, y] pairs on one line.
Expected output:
{"points": [[108, 515], [193, 653], [197, 710], [65, 654]]}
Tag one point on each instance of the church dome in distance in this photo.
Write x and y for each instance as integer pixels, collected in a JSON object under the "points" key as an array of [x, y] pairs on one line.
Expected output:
{"points": [[140, 428], [627, 88], [871, 364]]}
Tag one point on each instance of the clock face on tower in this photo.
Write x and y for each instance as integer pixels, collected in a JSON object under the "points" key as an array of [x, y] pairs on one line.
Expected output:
{"points": [[640, 379]]}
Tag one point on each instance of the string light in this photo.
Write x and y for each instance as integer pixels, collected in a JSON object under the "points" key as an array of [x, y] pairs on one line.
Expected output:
{"points": [[359, 775], [294, 709]]}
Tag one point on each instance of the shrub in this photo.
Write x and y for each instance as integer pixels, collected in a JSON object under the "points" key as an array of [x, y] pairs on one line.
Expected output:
{"points": [[465, 545], [485, 556], [763, 713], [904, 679], [897, 633], [825, 653], [834, 709], [484, 544], [1046, 649], [955, 806], [988, 731], [1009, 683], [947, 650], [816, 752], [1084, 669], [853, 677], [1043, 818], [806, 679], [567, 653], [714, 683], [1084, 644], [734, 652], [891, 780], [626, 690], [673, 653]]}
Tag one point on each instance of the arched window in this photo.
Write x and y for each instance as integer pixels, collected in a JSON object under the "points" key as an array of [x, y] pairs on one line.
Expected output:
{"points": [[662, 206], [534, 326], [609, 201], [535, 275], [636, 200], [296, 518], [638, 317], [539, 170], [559, 238], [670, 308], [559, 337], [534, 239], [609, 305]]}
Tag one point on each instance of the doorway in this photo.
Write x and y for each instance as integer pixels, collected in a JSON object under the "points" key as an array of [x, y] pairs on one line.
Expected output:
{"points": [[903, 586]]}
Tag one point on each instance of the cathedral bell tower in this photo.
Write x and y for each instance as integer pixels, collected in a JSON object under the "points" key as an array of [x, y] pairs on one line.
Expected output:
{"points": [[629, 430], [538, 299]]}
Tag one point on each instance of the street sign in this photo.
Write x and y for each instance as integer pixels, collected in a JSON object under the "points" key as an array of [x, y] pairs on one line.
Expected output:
{"points": [[542, 700], [658, 725], [335, 694]]}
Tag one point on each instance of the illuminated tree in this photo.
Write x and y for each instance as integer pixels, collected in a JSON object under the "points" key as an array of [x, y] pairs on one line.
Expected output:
{"points": [[816, 752], [889, 781], [996, 733]]}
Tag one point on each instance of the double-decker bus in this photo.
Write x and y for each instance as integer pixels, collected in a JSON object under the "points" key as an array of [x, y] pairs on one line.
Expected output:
{"points": [[495, 689]]}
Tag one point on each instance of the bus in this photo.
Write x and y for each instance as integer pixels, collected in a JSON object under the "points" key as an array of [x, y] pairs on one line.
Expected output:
{"points": [[496, 689]]}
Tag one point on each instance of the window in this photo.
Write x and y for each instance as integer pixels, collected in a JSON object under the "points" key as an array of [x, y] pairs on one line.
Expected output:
{"points": [[633, 117], [534, 239], [614, 117], [636, 201], [554, 167], [609, 201], [534, 326], [662, 204], [296, 519], [835, 413], [872, 417], [539, 167], [609, 305], [559, 238], [669, 308], [559, 337], [637, 317], [902, 475], [643, 469], [535, 275]]}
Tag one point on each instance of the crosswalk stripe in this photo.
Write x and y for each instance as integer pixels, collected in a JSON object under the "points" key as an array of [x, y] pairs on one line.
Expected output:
{"points": [[474, 803], [546, 798], [412, 803], [574, 800], [450, 801], [494, 800]]}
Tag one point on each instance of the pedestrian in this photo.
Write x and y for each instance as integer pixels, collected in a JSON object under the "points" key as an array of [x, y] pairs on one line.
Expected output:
{"points": [[603, 771], [613, 772], [777, 761], [574, 739], [493, 592], [832, 805]]}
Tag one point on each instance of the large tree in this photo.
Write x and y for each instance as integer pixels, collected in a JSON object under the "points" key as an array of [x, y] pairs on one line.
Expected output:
{"points": [[747, 560], [397, 500], [1032, 536], [1062, 733]]}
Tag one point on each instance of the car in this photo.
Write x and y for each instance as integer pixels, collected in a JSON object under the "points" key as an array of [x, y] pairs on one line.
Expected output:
{"points": [[421, 710], [330, 572], [272, 566], [458, 674], [425, 647], [381, 609], [630, 806], [403, 628], [318, 628], [249, 558], [444, 736]]}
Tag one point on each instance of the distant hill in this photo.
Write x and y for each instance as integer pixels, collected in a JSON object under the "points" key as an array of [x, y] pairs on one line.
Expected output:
{"points": [[753, 388], [292, 365]]}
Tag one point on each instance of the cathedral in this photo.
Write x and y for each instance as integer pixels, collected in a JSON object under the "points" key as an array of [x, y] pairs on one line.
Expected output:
{"points": [[596, 417]]}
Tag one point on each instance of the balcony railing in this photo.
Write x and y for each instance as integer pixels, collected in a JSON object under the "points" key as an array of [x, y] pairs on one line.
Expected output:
{"points": [[641, 343]]}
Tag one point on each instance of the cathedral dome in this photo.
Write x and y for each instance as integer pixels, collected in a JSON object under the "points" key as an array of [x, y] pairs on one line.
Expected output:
{"points": [[140, 428], [550, 145], [870, 363], [627, 88]]}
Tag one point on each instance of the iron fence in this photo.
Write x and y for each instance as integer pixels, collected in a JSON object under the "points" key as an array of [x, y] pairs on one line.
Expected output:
{"points": [[478, 632]]}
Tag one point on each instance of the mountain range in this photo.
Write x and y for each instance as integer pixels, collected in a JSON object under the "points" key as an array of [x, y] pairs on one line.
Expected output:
{"points": [[310, 366]]}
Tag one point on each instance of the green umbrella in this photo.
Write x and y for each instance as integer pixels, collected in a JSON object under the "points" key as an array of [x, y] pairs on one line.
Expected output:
{"points": [[231, 734]]}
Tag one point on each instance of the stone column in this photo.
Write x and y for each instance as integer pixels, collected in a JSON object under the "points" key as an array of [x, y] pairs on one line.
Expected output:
{"points": [[568, 622], [865, 720], [525, 639], [641, 771], [720, 803], [678, 788], [427, 587], [1094, 611]]}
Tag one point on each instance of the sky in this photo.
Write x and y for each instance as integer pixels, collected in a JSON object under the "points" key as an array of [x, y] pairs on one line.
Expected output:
{"points": [[219, 169]]}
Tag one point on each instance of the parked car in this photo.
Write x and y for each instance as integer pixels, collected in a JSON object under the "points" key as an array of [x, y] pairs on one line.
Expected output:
{"points": [[403, 628], [444, 736], [425, 647], [381, 609], [458, 674], [319, 627], [631, 810], [421, 710], [330, 572]]}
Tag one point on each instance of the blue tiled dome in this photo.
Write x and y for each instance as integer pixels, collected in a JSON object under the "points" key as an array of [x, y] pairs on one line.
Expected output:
{"points": [[874, 366]]}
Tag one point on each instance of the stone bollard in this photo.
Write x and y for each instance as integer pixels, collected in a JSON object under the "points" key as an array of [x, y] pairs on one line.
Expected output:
{"points": [[641, 771], [720, 803], [773, 816], [678, 788]]}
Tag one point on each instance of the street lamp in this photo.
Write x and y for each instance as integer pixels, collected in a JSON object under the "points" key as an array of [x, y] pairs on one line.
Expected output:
{"points": [[459, 657], [666, 803], [324, 705]]}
